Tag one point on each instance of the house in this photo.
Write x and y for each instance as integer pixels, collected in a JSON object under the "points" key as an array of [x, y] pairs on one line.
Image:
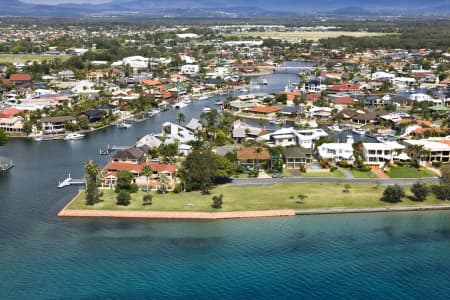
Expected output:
{"points": [[113, 168], [52, 125], [342, 102], [242, 131], [132, 155], [321, 113], [190, 69], [264, 109], [176, 132], [252, 156], [11, 124], [345, 87], [93, 115], [291, 137], [294, 157], [194, 125], [22, 80], [382, 153], [367, 118], [337, 151], [66, 74], [433, 150]]}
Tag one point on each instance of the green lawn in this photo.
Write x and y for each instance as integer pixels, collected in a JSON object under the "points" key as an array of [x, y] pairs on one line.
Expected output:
{"points": [[360, 174], [23, 58], [326, 174], [407, 172], [277, 196]]}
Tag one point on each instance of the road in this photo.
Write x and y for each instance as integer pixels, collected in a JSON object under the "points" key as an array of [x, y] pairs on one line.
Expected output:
{"points": [[383, 182]]}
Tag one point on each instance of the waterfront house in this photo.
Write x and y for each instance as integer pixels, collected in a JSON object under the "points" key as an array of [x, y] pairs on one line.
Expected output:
{"points": [[20, 80], [149, 141], [291, 137], [52, 125], [380, 154], [434, 150], [252, 156], [264, 110], [294, 157], [93, 115], [132, 155], [242, 131], [176, 132], [337, 151], [113, 168], [11, 124]]}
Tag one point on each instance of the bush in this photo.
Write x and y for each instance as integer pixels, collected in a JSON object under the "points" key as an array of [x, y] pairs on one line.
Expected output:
{"points": [[147, 199], [217, 201], [393, 194], [134, 188], [420, 191], [364, 168], [436, 164], [302, 168], [343, 163], [177, 189], [400, 163], [333, 168], [123, 198], [442, 191], [421, 169]]}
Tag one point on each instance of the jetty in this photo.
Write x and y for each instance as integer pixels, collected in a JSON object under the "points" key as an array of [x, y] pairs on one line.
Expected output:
{"points": [[109, 149], [70, 181]]}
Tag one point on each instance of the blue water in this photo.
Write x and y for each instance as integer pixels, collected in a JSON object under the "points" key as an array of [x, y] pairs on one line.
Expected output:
{"points": [[371, 256]]}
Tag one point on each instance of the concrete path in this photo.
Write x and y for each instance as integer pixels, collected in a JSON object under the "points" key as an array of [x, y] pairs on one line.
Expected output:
{"points": [[346, 172]]}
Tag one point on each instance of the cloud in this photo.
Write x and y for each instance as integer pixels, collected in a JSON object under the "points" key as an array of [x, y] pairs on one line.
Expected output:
{"points": [[63, 1]]}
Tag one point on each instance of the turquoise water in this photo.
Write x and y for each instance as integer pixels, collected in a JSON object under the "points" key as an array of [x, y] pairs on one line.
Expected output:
{"points": [[371, 256]]}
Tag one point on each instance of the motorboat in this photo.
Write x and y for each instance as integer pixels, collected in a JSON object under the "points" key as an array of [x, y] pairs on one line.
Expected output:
{"points": [[277, 121], [41, 138], [124, 125], [218, 102], [179, 105], [204, 97], [153, 112], [335, 128], [359, 131], [206, 109], [73, 136]]}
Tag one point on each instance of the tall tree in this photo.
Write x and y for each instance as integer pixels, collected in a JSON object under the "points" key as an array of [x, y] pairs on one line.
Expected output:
{"points": [[147, 171], [258, 152], [3, 137], [163, 182], [199, 170], [420, 191], [92, 173], [181, 118]]}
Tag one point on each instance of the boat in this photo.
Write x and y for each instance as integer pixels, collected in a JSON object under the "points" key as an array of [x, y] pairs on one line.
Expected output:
{"points": [[206, 109], [179, 105], [124, 125], [204, 97], [277, 121], [73, 136], [186, 101], [243, 91], [153, 112], [41, 138], [359, 131], [335, 127], [218, 102], [264, 82]]}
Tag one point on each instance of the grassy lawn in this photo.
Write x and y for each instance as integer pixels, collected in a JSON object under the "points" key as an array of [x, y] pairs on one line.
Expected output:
{"points": [[359, 174], [277, 196], [23, 58], [325, 174], [406, 172]]}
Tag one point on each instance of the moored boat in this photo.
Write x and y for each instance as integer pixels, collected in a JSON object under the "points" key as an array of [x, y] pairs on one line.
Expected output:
{"points": [[73, 136]]}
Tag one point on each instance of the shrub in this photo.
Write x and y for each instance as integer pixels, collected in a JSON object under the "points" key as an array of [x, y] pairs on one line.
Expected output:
{"points": [[442, 191], [302, 168], [421, 169], [333, 168], [420, 191], [134, 188], [177, 189], [436, 164], [147, 199], [343, 163], [217, 201], [364, 168], [393, 194], [123, 198]]}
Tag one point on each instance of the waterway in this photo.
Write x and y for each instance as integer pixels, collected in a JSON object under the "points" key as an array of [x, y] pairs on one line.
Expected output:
{"points": [[390, 256]]}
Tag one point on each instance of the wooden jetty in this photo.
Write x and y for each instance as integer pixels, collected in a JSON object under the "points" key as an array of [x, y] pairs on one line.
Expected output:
{"points": [[70, 181]]}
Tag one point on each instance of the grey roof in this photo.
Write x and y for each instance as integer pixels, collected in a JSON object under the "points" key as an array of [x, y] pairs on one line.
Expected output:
{"points": [[61, 119], [132, 153], [296, 152], [194, 125]]}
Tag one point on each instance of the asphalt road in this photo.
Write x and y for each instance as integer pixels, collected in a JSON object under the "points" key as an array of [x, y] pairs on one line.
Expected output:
{"points": [[383, 182]]}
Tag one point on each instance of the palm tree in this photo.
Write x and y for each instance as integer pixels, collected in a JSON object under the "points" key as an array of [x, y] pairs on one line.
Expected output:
{"points": [[417, 150], [258, 151], [92, 170], [163, 182], [147, 171], [181, 118]]}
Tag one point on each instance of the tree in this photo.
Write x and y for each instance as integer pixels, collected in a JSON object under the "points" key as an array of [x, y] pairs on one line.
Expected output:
{"points": [[147, 171], [147, 199], [169, 151], [3, 137], [393, 194], [199, 170], [92, 193], [123, 198], [163, 182], [445, 174], [258, 151], [217, 201], [420, 191], [417, 150], [181, 118], [124, 179]]}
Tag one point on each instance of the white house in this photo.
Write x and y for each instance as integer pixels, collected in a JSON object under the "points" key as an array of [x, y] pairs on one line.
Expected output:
{"points": [[382, 153], [382, 75], [337, 151], [84, 87], [190, 69], [178, 133], [435, 150], [291, 137]]}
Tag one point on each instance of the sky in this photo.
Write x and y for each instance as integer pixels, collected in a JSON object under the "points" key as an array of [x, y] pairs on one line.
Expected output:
{"points": [[63, 1]]}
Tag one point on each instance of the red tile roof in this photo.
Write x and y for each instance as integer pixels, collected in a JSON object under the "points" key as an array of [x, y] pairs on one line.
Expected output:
{"points": [[345, 86], [344, 101], [157, 167], [250, 153], [265, 109], [20, 77], [9, 112]]}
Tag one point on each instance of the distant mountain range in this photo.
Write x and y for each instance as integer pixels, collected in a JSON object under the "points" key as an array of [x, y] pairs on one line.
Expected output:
{"points": [[225, 9]]}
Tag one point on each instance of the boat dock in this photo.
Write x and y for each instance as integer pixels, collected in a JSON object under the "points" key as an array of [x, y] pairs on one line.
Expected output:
{"points": [[109, 149], [70, 181]]}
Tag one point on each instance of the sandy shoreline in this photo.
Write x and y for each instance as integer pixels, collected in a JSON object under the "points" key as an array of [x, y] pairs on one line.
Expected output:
{"points": [[174, 215]]}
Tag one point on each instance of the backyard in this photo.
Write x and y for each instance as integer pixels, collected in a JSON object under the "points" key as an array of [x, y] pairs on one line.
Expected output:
{"points": [[269, 197]]}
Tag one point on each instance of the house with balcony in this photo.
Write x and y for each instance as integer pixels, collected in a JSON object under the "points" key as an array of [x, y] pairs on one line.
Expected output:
{"points": [[54, 125], [380, 154], [434, 150], [286, 137]]}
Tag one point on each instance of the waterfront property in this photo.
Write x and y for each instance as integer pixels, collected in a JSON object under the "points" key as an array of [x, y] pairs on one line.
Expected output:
{"points": [[294, 157]]}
